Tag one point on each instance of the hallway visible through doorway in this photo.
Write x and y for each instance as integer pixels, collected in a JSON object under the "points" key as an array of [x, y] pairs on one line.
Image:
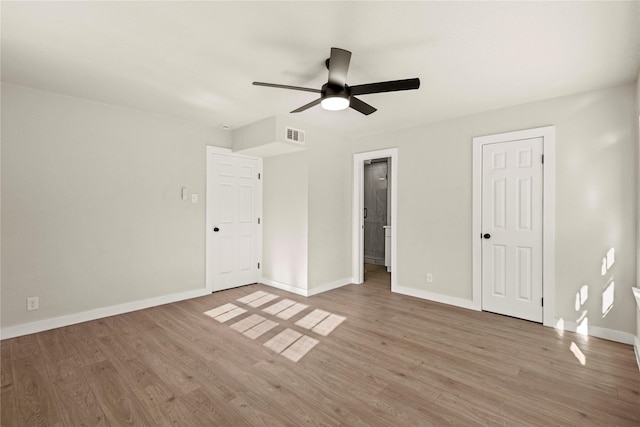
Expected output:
{"points": [[386, 223], [376, 210], [377, 276]]}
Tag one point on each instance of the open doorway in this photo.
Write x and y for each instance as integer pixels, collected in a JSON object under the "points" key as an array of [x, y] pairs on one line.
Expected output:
{"points": [[377, 222], [374, 218]]}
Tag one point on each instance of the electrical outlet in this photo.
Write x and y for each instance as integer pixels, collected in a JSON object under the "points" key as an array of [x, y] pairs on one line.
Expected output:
{"points": [[194, 198], [32, 303], [429, 278]]}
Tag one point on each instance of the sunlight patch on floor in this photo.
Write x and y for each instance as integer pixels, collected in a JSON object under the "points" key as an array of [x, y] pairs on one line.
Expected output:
{"points": [[289, 343], [220, 310], [327, 326], [279, 306], [283, 340], [578, 353], [248, 323], [312, 319], [230, 314], [262, 300], [292, 311], [225, 312], [251, 297], [260, 329], [298, 349]]}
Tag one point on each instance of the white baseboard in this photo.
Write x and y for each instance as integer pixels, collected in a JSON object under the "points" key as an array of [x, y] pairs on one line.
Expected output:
{"points": [[283, 286], [330, 286], [307, 292], [431, 296], [595, 331], [98, 313], [598, 332]]}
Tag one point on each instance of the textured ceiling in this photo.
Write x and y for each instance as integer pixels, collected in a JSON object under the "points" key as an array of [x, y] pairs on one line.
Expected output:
{"points": [[196, 60]]}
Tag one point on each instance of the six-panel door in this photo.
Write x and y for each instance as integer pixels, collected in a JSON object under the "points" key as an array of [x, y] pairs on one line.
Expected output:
{"points": [[234, 221], [512, 228]]}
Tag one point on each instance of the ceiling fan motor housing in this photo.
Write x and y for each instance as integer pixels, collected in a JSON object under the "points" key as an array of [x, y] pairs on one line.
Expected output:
{"points": [[330, 91]]}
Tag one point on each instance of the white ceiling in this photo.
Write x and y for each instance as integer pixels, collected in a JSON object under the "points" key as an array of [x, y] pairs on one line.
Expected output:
{"points": [[196, 60]]}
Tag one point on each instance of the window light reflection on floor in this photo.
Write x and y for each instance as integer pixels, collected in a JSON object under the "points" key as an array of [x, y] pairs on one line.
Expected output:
{"points": [[578, 353]]}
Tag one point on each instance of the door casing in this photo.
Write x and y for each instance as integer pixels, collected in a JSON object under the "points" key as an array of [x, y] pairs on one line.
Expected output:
{"points": [[547, 134]]}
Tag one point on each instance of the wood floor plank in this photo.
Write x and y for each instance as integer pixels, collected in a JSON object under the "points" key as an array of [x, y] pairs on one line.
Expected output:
{"points": [[6, 376], [7, 397], [8, 414], [75, 400], [393, 361], [53, 345], [119, 404], [209, 407], [149, 388], [83, 345], [35, 401], [24, 346], [254, 413]]}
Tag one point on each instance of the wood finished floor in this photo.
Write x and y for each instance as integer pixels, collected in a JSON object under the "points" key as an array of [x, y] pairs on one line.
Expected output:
{"points": [[394, 361]]}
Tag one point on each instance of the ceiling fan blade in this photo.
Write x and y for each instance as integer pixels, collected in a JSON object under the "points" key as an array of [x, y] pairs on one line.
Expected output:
{"points": [[390, 86], [338, 66], [306, 106], [361, 106], [306, 89]]}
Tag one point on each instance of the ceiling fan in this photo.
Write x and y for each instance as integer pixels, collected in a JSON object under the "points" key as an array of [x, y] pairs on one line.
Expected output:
{"points": [[336, 94]]}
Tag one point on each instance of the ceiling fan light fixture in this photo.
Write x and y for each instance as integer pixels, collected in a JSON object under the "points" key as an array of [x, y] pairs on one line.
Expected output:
{"points": [[335, 103], [336, 94]]}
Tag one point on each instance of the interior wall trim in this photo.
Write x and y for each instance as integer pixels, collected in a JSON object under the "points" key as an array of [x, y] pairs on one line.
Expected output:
{"points": [[307, 292], [283, 286], [98, 313], [330, 286], [598, 332], [435, 297]]}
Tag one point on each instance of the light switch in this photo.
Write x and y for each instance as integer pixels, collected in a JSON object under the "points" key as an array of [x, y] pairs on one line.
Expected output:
{"points": [[194, 198], [185, 193]]}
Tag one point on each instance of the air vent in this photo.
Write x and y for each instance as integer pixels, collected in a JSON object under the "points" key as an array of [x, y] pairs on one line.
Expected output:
{"points": [[295, 135]]}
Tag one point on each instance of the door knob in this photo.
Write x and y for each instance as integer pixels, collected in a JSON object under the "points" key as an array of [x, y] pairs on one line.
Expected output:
{"points": [[216, 229], [487, 236]]}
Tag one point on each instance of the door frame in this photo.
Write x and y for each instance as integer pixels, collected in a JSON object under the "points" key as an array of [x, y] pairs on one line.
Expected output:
{"points": [[209, 209], [548, 135], [357, 246]]}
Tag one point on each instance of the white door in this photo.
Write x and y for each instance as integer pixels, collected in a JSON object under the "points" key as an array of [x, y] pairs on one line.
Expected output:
{"points": [[233, 229], [512, 228]]}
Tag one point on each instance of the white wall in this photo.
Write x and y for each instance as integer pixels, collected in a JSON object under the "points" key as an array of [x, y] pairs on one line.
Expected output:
{"points": [[285, 225], [596, 202], [308, 192], [91, 209], [330, 201]]}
